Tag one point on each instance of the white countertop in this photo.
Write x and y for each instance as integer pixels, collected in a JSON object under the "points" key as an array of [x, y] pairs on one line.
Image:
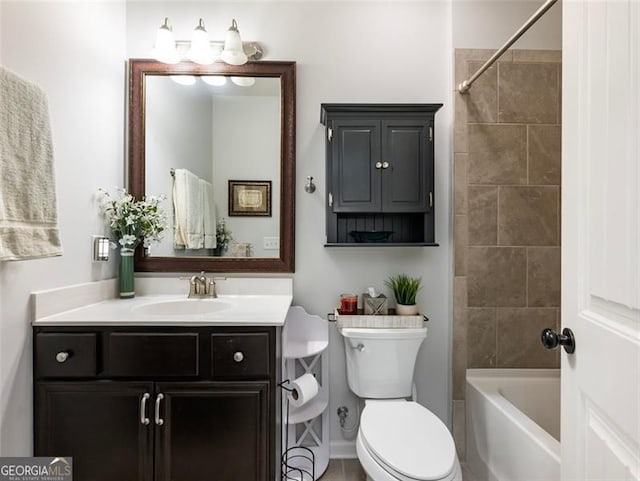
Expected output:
{"points": [[241, 302], [240, 310]]}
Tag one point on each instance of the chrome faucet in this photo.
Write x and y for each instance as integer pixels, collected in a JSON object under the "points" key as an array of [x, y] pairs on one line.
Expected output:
{"points": [[202, 286]]}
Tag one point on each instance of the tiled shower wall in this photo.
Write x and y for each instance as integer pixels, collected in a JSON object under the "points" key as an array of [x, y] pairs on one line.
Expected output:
{"points": [[507, 211]]}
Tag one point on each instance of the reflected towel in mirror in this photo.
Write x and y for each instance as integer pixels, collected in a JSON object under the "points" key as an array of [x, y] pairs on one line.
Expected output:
{"points": [[209, 214], [188, 212]]}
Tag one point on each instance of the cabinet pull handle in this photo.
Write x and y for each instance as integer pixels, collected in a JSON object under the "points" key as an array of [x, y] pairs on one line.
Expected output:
{"points": [[143, 409], [62, 356], [385, 165], [378, 165], [238, 356], [158, 420]]}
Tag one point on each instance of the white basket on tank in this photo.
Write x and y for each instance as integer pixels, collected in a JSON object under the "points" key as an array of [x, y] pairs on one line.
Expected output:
{"points": [[386, 321]]}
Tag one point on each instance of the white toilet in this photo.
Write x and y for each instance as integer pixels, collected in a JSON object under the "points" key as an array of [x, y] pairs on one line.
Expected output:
{"points": [[397, 439]]}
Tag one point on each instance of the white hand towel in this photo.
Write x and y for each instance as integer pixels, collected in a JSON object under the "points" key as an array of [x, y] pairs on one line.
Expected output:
{"points": [[187, 205], [209, 214], [28, 210]]}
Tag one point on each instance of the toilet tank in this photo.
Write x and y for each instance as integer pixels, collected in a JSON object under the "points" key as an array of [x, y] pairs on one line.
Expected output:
{"points": [[380, 362]]}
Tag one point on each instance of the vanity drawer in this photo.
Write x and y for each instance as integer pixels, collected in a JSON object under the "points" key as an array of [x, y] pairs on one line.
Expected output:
{"points": [[65, 355], [244, 355], [130, 354]]}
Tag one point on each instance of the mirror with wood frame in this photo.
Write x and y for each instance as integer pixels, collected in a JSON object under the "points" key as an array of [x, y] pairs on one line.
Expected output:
{"points": [[231, 128]]}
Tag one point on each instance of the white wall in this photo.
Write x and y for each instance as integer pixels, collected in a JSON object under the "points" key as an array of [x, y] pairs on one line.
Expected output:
{"points": [[489, 24], [346, 52], [76, 52], [248, 153], [177, 133]]}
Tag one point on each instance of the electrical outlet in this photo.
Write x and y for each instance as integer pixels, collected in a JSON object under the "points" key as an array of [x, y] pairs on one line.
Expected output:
{"points": [[271, 243]]}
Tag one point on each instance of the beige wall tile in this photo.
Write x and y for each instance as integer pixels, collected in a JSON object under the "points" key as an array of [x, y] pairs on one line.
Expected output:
{"points": [[483, 215], [460, 130], [353, 470], [459, 336], [460, 67], [459, 429], [497, 154], [519, 338], [496, 276], [460, 162], [461, 239], [544, 154], [543, 276], [528, 93], [538, 56], [528, 216], [481, 54], [481, 337], [482, 98]]}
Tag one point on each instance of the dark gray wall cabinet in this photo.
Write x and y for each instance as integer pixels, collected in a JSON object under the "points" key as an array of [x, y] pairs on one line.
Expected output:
{"points": [[152, 404], [380, 168]]}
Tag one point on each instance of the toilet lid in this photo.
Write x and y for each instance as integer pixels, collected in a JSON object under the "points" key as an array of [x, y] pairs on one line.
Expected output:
{"points": [[408, 439]]}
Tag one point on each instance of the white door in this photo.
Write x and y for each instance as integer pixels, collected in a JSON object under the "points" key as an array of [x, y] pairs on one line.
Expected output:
{"points": [[601, 240]]}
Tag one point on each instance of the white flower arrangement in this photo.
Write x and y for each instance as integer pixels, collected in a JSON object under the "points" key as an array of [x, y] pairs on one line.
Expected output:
{"points": [[134, 221], [223, 235]]}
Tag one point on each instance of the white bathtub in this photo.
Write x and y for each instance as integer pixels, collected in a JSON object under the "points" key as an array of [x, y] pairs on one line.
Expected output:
{"points": [[513, 424]]}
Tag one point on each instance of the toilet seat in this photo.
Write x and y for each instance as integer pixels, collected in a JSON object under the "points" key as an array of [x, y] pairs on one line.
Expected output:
{"points": [[407, 441]]}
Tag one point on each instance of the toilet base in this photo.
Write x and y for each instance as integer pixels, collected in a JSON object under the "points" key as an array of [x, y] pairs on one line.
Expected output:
{"points": [[375, 472]]}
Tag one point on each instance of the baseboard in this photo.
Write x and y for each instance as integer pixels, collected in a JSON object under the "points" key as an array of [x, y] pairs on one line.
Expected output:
{"points": [[342, 450]]}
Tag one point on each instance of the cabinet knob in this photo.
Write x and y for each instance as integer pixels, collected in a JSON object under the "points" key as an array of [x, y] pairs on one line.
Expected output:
{"points": [[385, 165], [238, 356], [62, 356], [378, 165]]}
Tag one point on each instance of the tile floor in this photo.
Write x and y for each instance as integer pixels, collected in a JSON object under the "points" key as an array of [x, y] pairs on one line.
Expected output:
{"points": [[350, 470], [344, 470]]}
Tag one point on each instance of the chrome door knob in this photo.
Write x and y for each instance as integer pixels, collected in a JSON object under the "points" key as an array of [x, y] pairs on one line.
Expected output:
{"points": [[385, 165], [238, 356], [62, 356], [378, 165], [551, 339]]}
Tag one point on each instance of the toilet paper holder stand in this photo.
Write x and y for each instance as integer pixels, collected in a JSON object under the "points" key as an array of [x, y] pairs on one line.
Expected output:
{"points": [[305, 459]]}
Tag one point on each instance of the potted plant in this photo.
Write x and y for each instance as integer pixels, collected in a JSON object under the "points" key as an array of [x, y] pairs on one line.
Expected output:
{"points": [[405, 289], [223, 238]]}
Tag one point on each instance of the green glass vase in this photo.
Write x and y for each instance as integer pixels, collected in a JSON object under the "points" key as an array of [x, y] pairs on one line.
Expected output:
{"points": [[127, 290]]}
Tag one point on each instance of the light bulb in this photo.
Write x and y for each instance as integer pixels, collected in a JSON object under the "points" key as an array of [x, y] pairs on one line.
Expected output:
{"points": [[183, 79], [243, 81]]}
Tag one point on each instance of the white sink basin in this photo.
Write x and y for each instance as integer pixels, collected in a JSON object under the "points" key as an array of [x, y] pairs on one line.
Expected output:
{"points": [[182, 307]]}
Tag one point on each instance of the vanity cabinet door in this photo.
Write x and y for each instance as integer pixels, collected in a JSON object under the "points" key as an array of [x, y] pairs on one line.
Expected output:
{"points": [[213, 430], [98, 423]]}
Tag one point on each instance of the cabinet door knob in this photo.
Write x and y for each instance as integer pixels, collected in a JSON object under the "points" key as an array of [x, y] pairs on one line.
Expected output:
{"points": [[378, 165], [159, 421], [238, 356], [143, 409], [62, 356], [385, 165]]}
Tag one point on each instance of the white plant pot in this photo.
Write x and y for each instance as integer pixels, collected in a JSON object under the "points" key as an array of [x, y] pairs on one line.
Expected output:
{"points": [[406, 310]]}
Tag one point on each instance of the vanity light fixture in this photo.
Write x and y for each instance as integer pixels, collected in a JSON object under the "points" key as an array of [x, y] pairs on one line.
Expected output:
{"points": [[201, 49], [233, 54], [164, 49]]}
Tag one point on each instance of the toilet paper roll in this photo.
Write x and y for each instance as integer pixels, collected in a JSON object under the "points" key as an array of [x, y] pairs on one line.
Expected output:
{"points": [[303, 389]]}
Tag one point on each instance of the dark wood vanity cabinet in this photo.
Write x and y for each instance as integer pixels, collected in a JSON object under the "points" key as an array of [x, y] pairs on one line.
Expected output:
{"points": [[380, 172], [209, 415]]}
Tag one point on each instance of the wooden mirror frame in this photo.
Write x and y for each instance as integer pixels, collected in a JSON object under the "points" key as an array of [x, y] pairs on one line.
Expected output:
{"points": [[286, 72]]}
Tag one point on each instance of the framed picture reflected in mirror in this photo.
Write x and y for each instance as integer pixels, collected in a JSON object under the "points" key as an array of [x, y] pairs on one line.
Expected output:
{"points": [[249, 198]]}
